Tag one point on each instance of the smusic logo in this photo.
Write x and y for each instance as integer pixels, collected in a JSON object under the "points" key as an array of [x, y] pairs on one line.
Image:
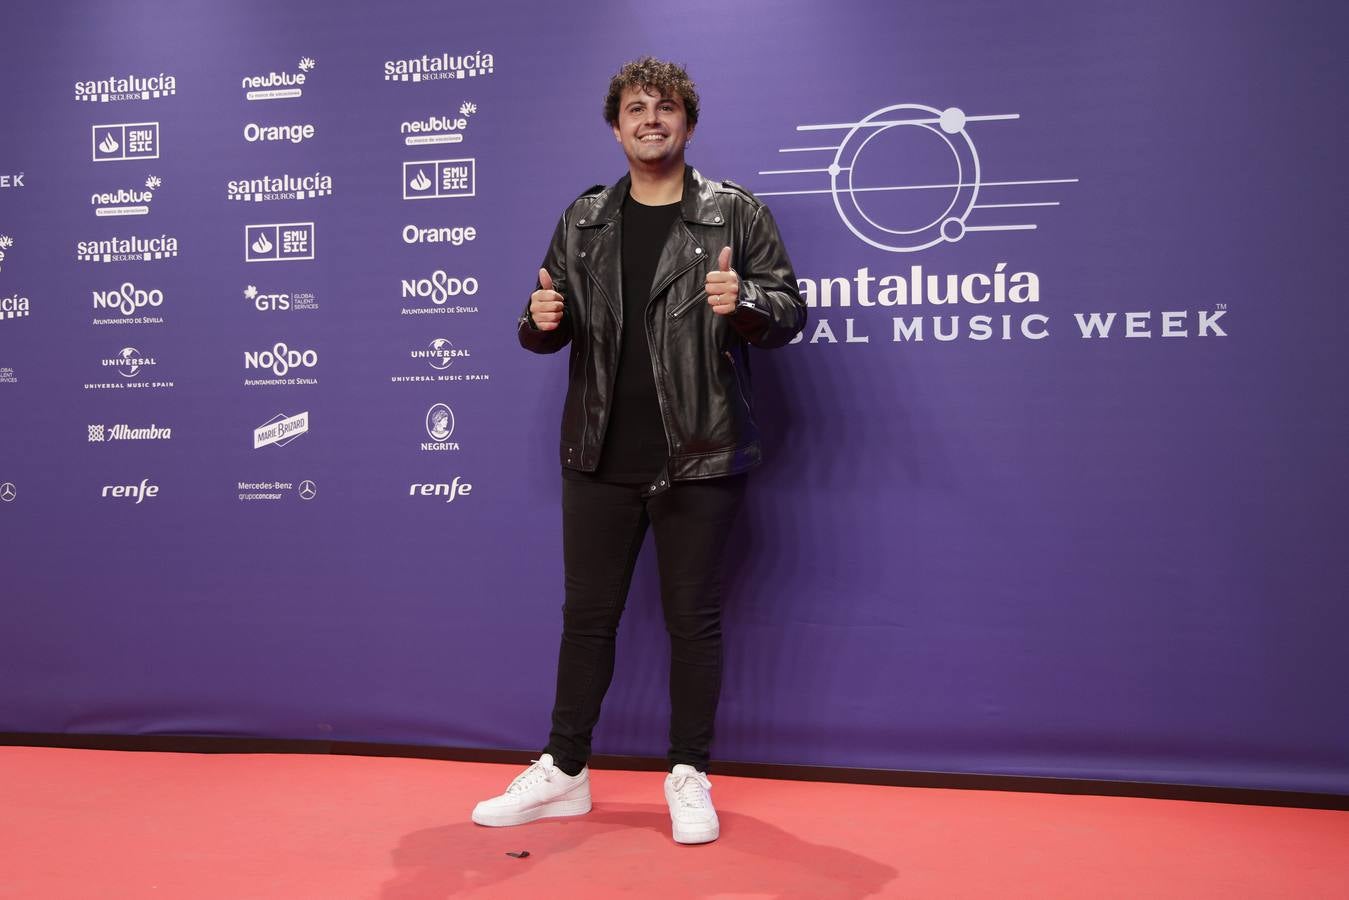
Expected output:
{"points": [[439, 68], [280, 187], [126, 87], [139, 140], [278, 85], [279, 243], [439, 179]]}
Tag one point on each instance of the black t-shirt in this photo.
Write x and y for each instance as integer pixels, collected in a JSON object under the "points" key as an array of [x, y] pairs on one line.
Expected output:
{"points": [[635, 447]]}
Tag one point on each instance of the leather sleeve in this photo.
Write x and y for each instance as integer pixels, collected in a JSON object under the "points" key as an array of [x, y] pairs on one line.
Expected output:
{"points": [[770, 311], [531, 338]]}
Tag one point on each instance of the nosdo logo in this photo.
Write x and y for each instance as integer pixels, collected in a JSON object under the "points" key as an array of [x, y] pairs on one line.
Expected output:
{"points": [[140, 492], [280, 187], [278, 85], [455, 236], [438, 129], [279, 243], [282, 302], [6, 244], [280, 359], [126, 87], [128, 249], [439, 179], [933, 145], [126, 201], [296, 133], [128, 299], [128, 362], [280, 430], [138, 140], [440, 354], [11, 181], [13, 307], [437, 68], [456, 488], [439, 287]]}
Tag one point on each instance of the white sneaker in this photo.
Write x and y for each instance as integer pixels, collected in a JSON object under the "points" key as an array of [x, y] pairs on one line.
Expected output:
{"points": [[538, 792], [687, 791]]}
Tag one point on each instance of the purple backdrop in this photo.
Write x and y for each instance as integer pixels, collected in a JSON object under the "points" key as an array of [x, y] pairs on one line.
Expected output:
{"points": [[1108, 557]]}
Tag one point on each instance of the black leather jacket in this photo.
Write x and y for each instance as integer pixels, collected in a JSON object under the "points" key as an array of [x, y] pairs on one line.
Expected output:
{"points": [[700, 358]]}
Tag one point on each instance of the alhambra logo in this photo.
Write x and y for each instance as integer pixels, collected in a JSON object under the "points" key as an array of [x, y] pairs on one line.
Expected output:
{"points": [[448, 129], [439, 68], [280, 187], [278, 85], [125, 141], [127, 249], [126, 87], [126, 201]]}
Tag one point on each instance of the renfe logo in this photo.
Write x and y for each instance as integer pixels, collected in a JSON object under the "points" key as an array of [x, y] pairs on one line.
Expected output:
{"points": [[139, 140], [143, 491], [438, 179], [279, 243], [456, 488]]}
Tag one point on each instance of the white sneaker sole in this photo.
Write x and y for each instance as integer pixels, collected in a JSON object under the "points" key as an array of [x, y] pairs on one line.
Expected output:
{"points": [[696, 834], [557, 808]]}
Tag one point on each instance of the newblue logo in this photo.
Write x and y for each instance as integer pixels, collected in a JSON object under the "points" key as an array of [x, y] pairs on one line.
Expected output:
{"points": [[438, 179], [126, 201], [438, 129], [138, 140], [278, 85], [286, 242]]}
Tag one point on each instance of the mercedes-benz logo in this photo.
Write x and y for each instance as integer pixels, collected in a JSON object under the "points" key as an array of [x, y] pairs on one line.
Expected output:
{"points": [[8, 491], [307, 490]]}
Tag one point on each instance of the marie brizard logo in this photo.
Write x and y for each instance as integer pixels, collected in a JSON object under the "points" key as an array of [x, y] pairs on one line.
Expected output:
{"points": [[126, 87], [137, 140], [936, 146], [438, 179], [280, 430], [278, 85]]}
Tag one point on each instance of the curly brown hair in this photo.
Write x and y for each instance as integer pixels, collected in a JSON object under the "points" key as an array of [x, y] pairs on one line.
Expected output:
{"points": [[664, 79]]}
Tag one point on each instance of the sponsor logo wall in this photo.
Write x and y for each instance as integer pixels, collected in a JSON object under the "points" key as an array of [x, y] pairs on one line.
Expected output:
{"points": [[258, 293]]}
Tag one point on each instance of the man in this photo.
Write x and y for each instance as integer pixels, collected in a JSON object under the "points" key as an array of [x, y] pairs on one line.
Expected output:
{"points": [[660, 284]]}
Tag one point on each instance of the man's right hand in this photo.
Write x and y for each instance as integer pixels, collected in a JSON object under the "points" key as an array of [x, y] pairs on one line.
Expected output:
{"points": [[545, 304]]}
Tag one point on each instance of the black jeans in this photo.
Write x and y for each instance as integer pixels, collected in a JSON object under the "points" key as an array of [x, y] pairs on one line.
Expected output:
{"points": [[603, 525]]}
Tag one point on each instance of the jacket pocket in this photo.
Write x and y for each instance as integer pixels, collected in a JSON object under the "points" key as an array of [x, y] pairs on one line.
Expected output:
{"points": [[684, 306]]}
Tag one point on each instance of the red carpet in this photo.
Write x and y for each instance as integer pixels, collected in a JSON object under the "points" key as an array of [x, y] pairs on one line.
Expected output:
{"points": [[86, 824]]}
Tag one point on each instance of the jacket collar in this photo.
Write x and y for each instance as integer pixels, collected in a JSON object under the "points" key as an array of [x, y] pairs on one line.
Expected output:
{"points": [[698, 205]]}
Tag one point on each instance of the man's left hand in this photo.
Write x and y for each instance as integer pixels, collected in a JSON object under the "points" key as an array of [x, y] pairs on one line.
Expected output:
{"points": [[723, 285]]}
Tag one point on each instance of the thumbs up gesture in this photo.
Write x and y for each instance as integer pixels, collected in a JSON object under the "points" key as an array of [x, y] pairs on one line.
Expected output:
{"points": [[723, 285], [545, 304]]}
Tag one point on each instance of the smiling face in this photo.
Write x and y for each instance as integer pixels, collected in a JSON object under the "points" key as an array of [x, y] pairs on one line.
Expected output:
{"points": [[652, 129]]}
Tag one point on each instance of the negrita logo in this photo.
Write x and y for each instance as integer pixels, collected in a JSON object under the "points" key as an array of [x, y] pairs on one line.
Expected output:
{"points": [[126, 87], [280, 187], [439, 68], [439, 427], [289, 301], [278, 85], [126, 201], [439, 179], [286, 242], [438, 129], [138, 140]]}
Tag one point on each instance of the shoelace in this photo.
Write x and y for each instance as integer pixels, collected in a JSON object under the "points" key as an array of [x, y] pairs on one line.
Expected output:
{"points": [[531, 776], [691, 789]]}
